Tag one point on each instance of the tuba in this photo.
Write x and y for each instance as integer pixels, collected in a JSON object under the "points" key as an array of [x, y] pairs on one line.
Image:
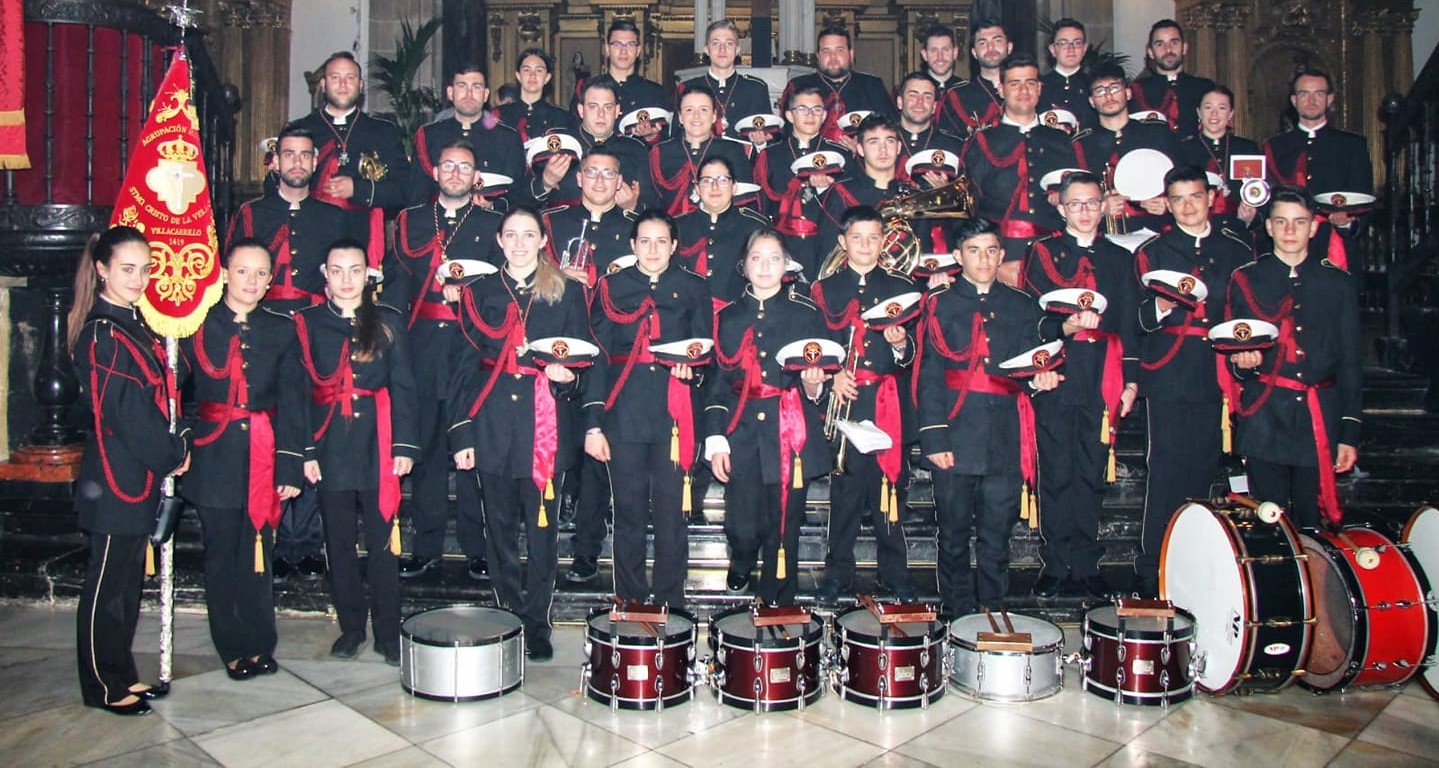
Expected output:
{"points": [[901, 249]]}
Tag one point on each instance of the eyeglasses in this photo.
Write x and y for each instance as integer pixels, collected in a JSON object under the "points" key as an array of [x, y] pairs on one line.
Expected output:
{"points": [[811, 111], [1075, 206], [608, 174], [715, 181], [1107, 90], [450, 166], [1069, 43]]}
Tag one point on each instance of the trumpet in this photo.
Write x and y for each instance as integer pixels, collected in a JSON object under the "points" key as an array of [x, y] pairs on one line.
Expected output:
{"points": [[837, 408], [901, 249], [1114, 223]]}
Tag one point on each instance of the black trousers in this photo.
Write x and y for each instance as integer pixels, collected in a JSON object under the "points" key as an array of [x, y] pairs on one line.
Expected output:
{"points": [[1185, 450], [105, 621], [987, 506], [512, 505], [348, 514], [240, 602], [592, 507], [648, 489], [854, 496], [752, 526], [429, 505], [302, 532], [1072, 464], [1294, 488]]}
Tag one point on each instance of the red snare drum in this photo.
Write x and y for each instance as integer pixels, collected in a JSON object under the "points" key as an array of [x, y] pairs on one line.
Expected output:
{"points": [[765, 668], [894, 666], [1141, 660], [639, 666], [1373, 622]]}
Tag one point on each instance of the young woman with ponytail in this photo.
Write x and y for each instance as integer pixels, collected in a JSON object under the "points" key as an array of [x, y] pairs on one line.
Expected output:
{"points": [[122, 371]]}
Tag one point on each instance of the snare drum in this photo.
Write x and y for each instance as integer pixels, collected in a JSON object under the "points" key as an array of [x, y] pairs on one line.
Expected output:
{"points": [[462, 653], [1373, 624], [1245, 584], [639, 666], [1421, 537], [888, 666], [764, 668], [1140, 660], [991, 674]]}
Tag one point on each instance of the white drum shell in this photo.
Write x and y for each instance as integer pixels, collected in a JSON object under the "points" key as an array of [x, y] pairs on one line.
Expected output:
{"points": [[462, 653], [1006, 676]]}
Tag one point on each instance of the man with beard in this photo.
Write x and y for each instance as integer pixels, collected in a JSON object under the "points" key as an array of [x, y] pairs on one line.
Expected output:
{"points": [[558, 182], [737, 95], [939, 53], [1168, 88], [844, 89], [1006, 162], [978, 103], [1100, 150], [531, 114], [496, 146], [632, 90], [297, 229], [426, 237], [675, 162], [360, 161], [786, 196], [918, 132], [1067, 85]]}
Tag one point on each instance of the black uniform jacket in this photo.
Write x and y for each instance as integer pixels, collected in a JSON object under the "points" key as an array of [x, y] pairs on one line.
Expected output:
{"points": [[842, 297], [364, 148], [1072, 93], [1330, 160], [854, 92], [347, 444], [739, 96], [1213, 155], [634, 167], [971, 107], [1178, 99], [576, 233], [1005, 167], [675, 167], [298, 239], [121, 369], [1177, 362], [1061, 262], [984, 435], [498, 149], [748, 334], [840, 197], [772, 170], [492, 384], [1100, 150], [927, 140], [631, 311], [536, 119], [632, 93], [712, 246], [242, 366], [1320, 303]]}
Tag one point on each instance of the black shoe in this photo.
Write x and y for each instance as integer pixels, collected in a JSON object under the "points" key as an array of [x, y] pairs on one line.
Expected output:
{"points": [[414, 566], [736, 582], [154, 692], [281, 571], [905, 592], [311, 568], [538, 647], [479, 569], [582, 570], [245, 669], [348, 645], [390, 652], [1096, 586], [266, 664], [139, 707], [828, 593], [1046, 586]]}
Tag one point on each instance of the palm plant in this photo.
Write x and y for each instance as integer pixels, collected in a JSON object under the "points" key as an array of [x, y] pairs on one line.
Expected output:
{"points": [[411, 105]]}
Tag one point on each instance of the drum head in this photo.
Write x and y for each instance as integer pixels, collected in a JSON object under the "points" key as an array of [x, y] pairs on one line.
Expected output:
{"points": [[1044, 635], [738, 624], [1334, 632], [858, 620], [1199, 572], [1421, 533], [461, 625], [678, 623], [1105, 618]]}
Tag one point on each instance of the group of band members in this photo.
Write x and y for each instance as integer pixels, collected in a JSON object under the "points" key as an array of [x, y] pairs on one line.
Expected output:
{"points": [[335, 366]]}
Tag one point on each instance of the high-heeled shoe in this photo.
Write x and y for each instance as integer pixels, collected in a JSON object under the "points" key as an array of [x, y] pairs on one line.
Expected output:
{"points": [[133, 709], [265, 664], [244, 669], [153, 692]]}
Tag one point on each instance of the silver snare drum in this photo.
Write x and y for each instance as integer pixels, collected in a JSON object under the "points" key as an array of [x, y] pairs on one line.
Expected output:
{"points": [[1006, 675], [462, 653]]}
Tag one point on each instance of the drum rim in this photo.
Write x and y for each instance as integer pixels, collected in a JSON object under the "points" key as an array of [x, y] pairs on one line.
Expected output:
{"points": [[1103, 691], [1142, 636], [773, 705], [648, 642], [968, 645], [842, 633], [847, 693], [1333, 554], [455, 699], [626, 702], [407, 634], [813, 634]]}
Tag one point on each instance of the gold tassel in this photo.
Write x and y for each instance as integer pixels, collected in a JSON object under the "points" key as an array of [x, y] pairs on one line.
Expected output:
{"points": [[1109, 474], [1024, 502], [259, 553], [395, 536], [149, 558], [675, 444], [1033, 510], [798, 472], [1225, 431], [1104, 428], [550, 489], [884, 495], [893, 504], [779, 567], [544, 521], [686, 506]]}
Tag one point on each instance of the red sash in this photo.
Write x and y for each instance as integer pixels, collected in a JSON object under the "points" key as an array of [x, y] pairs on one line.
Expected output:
{"points": [[1111, 383], [1328, 489], [262, 502], [887, 418], [978, 381], [792, 430], [345, 394]]}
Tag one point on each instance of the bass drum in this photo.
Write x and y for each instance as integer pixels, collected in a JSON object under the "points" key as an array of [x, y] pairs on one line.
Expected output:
{"points": [[1006, 675], [1243, 581], [639, 666], [767, 669], [462, 653], [1142, 660], [1421, 537], [888, 666], [1374, 626]]}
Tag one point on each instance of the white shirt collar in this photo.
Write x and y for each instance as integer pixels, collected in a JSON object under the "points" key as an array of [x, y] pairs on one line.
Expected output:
{"points": [[1024, 128], [1075, 236], [1315, 129], [1066, 75], [1206, 232], [341, 119]]}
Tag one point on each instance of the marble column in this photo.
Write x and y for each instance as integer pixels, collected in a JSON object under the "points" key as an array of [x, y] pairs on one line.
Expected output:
{"points": [[796, 31], [706, 12]]}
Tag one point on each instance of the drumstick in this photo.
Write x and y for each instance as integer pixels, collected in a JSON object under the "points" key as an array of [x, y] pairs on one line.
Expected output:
{"points": [[1008, 625], [994, 625]]}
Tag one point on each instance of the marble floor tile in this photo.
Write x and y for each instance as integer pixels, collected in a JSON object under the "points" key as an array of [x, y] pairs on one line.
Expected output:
{"points": [[652, 729], [650, 760], [339, 678], [539, 736], [212, 701], [191, 631], [78, 734], [45, 683], [1079, 710], [1344, 714], [551, 683], [1408, 724], [886, 729], [1002, 735], [1190, 734], [12, 656], [420, 720], [1415, 688], [1134, 757], [180, 753], [754, 740], [323, 734], [411, 757], [182, 665], [309, 638], [41, 626], [1362, 754], [897, 760]]}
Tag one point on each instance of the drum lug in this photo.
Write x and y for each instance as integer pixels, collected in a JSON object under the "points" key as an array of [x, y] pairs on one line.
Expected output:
{"points": [[1197, 660], [659, 694], [1079, 659], [924, 685], [799, 684], [585, 672]]}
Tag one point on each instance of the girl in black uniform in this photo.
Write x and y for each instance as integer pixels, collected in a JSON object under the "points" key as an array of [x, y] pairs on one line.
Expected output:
{"points": [[121, 367], [364, 427]]}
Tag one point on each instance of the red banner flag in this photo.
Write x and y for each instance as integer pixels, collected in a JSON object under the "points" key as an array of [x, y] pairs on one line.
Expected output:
{"points": [[166, 195], [12, 86]]}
